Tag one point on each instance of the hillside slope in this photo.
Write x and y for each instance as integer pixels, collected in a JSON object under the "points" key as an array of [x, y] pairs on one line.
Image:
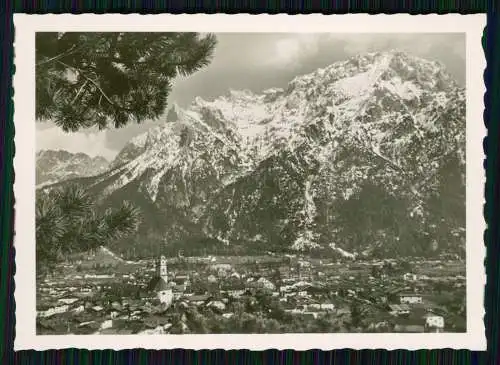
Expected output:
{"points": [[367, 155]]}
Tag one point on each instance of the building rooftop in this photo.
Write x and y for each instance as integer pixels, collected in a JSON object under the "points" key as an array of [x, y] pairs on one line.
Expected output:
{"points": [[409, 294], [409, 328], [177, 288], [198, 298], [399, 307], [158, 283]]}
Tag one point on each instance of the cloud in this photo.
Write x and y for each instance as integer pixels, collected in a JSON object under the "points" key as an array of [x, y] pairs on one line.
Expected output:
{"points": [[91, 143], [361, 43], [288, 51], [298, 51]]}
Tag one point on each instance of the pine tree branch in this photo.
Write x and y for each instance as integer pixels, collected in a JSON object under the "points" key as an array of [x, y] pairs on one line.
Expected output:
{"points": [[71, 50], [79, 91], [137, 92], [80, 72]]}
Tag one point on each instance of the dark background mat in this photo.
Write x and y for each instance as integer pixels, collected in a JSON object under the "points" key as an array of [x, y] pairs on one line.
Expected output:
{"points": [[491, 45]]}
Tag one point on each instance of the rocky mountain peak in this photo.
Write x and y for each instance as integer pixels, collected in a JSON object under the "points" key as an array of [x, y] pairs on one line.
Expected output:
{"points": [[299, 167], [57, 165]]}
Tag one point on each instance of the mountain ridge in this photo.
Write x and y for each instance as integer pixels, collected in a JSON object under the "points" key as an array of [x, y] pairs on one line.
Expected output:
{"points": [[375, 122], [53, 166]]}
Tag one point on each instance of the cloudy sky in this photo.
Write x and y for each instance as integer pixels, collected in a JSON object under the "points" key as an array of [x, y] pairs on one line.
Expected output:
{"points": [[260, 61]]}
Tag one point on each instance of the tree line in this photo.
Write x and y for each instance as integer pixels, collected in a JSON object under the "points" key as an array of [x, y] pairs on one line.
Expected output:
{"points": [[102, 80]]}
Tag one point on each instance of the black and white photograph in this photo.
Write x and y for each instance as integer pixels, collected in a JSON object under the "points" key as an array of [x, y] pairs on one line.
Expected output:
{"points": [[194, 182]]}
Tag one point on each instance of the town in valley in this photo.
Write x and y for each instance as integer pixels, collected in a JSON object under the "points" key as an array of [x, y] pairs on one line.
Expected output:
{"points": [[105, 294]]}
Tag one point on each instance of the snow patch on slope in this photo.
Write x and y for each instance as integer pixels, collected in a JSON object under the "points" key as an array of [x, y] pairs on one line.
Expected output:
{"points": [[360, 104]]}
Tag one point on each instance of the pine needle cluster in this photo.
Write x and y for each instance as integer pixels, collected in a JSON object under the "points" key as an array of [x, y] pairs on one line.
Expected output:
{"points": [[110, 79], [67, 221]]}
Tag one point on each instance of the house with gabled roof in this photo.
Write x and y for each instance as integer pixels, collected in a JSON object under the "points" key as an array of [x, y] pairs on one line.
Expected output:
{"points": [[198, 299], [409, 298], [434, 323], [399, 309]]}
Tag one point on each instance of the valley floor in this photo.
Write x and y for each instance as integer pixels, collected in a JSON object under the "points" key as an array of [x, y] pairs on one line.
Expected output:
{"points": [[263, 294]]}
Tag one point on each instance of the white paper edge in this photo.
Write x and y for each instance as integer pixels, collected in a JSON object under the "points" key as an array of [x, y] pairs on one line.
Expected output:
{"points": [[24, 165]]}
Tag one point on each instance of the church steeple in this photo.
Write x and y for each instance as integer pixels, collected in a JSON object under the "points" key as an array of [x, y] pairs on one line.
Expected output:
{"points": [[161, 268], [160, 282]]}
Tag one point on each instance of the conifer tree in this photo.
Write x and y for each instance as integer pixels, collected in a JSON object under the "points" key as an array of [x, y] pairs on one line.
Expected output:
{"points": [[101, 79], [67, 221]]}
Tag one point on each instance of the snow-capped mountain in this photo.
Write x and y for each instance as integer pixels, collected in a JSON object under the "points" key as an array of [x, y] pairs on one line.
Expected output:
{"points": [[365, 154], [54, 166]]}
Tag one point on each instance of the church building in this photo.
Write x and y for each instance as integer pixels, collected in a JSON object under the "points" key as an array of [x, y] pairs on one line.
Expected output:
{"points": [[159, 283]]}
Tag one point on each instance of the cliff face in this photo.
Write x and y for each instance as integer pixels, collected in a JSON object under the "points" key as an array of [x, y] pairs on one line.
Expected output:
{"points": [[54, 166], [366, 155]]}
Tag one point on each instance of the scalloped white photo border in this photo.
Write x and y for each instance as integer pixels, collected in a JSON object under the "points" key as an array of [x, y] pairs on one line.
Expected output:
{"points": [[24, 165]]}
